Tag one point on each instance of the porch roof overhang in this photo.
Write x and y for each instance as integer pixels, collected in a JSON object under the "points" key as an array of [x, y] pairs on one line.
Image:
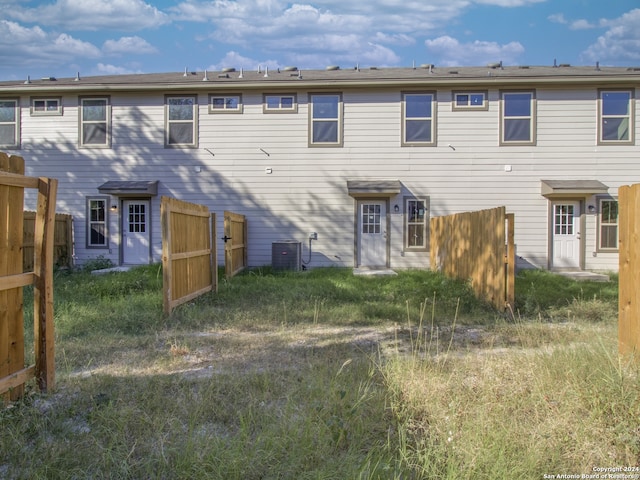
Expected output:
{"points": [[571, 188], [373, 188], [118, 188]]}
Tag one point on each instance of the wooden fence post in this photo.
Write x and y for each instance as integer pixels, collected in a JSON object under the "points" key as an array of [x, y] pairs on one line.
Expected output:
{"points": [[629, 271], [43, 291]]}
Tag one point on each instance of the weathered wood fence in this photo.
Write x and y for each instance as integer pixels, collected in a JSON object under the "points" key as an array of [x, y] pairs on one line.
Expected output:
{"points": [[629, 271], [13, 373], [477, 246], [189, 262], [62, 240]]}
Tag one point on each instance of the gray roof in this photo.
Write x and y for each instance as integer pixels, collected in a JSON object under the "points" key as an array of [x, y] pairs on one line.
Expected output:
{"points": [[423, 76]]}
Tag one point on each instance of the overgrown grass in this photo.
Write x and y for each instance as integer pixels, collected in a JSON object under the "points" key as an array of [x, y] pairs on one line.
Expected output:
{"points": [[321, 374]]}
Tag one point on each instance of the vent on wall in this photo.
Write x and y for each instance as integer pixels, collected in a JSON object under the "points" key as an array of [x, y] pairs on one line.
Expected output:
{"points": [[286, 255]]}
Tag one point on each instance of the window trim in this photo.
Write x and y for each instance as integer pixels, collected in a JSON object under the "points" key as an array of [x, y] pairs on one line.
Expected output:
{"points": [[280, 109], [225, 97], [600, 224], [16, 124], [532, 118], [107, 207], [631, 116], [469, 107], [339, 120], [406, 223], [194, 121], [81, 122], [45, 113], [433, 119]]}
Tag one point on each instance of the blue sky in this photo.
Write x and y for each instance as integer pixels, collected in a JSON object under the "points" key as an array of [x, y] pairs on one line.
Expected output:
{"points": [[95, 37]]}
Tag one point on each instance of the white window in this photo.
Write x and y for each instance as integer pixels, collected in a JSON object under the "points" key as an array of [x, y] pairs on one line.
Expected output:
{"points": [[97, 222], [608, 224], [225, 103], [181, 121], [95, 122], [470, 101], [46, 106], [280, 104], [518, 118], [325, 118], [616, 117], [9, 123], [418, 119], [416, 225]]}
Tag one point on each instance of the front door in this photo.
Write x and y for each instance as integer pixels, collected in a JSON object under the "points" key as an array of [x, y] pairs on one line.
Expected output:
{"points": [[565, 235], [135, 232], [372, 234]]}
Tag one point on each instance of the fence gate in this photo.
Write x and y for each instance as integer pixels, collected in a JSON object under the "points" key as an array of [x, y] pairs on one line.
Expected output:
{"points": [[477, 246], [189, 264], [235, 243], [13, 373]]}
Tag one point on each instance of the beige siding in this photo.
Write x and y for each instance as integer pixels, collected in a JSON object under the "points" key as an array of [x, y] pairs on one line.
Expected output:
{"points": [[307, 192]]}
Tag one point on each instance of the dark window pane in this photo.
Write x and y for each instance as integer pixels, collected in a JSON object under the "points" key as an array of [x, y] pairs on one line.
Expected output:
{"points": [[615, 129], [8, 111], [418, 131], [98, 234], [181, 109], [418, 106], [325, 106], [615, 103], [325, 132], [7, 135], [94, 110], [180, 133], [517, 105], [94, 134], [517, 130]]}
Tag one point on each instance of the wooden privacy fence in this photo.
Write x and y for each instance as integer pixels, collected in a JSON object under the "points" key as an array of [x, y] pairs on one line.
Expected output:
{"points": [[235, 243], [13, 373], [477, 246], [629, 271], [62, 240], [189, 262]]}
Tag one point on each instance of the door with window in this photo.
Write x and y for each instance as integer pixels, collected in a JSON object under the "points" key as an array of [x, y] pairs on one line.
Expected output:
{"points": [[372, 234], [565, 235], [135, 232]]}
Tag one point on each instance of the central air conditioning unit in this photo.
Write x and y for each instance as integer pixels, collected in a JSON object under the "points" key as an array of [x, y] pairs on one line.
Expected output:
{"points": [[286, 255]]}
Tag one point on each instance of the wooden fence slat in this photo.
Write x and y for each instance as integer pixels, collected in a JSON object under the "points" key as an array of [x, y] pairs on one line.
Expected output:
{"points": [[629, 271]]}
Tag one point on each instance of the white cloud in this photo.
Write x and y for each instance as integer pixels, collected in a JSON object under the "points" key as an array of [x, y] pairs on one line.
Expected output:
{"points": [[34, 47], [92, 14], [450, 52], [128, 46], [621, 42], [107, 69], [557, 18], [508, 3], [581, 25]]}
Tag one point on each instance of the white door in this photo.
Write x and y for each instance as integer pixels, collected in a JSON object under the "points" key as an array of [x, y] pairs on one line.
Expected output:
{"points": [[566, 235], [372, 234], [135, 232]]}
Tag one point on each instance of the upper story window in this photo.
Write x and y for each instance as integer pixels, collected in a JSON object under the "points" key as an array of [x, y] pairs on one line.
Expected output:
{"points": [[225, 103], [181, 119], [470, 101], [616, 117], [325, 118], [518, 118], [97, 222], [418, 119], [95, 122], [280, 104], [9, 123], [46, 106], [416, 225], [608, 224]]}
